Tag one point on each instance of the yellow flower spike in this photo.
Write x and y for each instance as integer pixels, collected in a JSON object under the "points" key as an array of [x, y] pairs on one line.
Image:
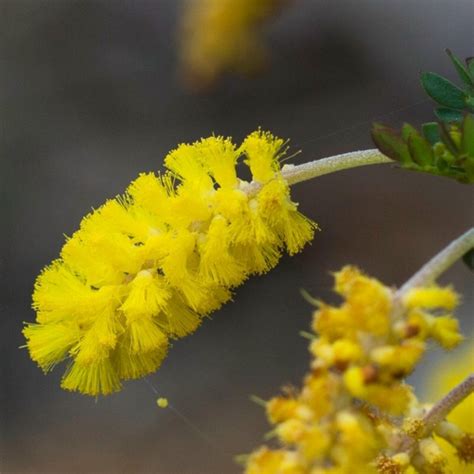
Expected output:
{"points": [[354, 412], [146, 267], [444, 376], [220, 36]]}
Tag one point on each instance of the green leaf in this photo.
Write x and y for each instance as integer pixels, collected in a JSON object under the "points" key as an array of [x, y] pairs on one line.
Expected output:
{"points": [[461, 69], [443, 91], [468, 135], [420, 149], [389, 143], [468, 259], [448, 115], [470, 65], [469, 170], [407, 130], [470, 102], [431, 132], [447, 139]]}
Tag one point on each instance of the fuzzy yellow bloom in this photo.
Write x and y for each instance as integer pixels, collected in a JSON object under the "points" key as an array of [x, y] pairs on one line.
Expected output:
{"points": [[346, 417], [146, 267], [456, 441], [222, 35]]}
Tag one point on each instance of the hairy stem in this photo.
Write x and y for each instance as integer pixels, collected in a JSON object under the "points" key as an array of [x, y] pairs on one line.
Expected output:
{"points": [[439, 412], [429, 272], [296, 174], [313, 169]]}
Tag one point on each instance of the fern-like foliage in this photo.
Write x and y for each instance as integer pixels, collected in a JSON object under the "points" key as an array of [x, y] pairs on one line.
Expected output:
{"points": [[443, 148]]}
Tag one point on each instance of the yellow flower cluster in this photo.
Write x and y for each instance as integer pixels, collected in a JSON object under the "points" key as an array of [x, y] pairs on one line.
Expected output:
{"points": [[457, 445], [145, 267], [220, 36], [343, 420]]}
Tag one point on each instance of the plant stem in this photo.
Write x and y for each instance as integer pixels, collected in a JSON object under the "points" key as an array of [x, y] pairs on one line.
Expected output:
{"points": [[439, 412], [313, 169], [429, 272], [296, 174]]}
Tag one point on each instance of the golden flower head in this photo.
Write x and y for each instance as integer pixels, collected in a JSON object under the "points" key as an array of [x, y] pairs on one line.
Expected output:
{"points": [[220, 36], [145, 267], [348, 415], [455, 436]]}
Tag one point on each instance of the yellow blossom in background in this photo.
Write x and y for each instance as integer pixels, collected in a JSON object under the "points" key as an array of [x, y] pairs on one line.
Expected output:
{"points": [[444, 377], [146, 267], [346, 419], [221, 36]]}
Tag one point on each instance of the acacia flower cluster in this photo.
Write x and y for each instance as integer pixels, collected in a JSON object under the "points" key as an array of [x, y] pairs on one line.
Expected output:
{"points": [[147, 266], [355, 413], [219, 36], [445, 375]]}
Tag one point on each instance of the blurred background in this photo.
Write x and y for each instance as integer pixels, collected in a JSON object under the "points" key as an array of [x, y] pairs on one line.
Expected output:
{"points": [[94, 92]]}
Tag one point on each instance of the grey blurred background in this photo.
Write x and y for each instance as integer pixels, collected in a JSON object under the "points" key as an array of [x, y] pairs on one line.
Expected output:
{"points": [[89, 97]]}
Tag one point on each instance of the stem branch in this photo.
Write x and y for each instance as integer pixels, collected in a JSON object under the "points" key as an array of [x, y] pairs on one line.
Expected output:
{"points": [[296, 174], [439, 412], [429, 272], [313, 169]]}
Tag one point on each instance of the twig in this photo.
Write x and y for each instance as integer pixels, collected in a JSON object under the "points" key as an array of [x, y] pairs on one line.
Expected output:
{"points": [[429, 272], [439, 412], [296, 174]]}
